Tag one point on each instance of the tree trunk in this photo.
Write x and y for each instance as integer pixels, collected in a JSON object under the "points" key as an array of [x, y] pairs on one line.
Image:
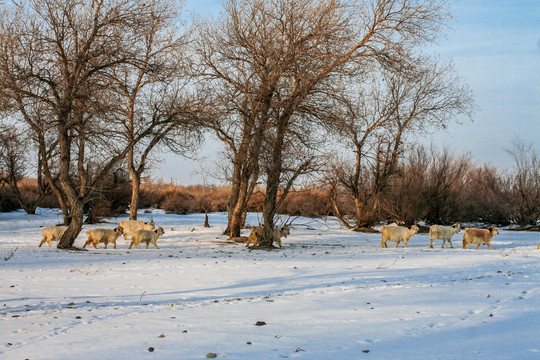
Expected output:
{"points": [[337, 210], [74, 228], [243, 218], [269, 212], [272, 187], [43, 160], [233, 198], [273, 178], [73, 198], [238, 219], [65, 209], [235, 227], [236, 223], [242, 189], [135, 191], [358, 208]]}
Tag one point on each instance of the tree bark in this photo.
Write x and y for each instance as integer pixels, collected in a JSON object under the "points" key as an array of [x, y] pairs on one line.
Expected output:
{"points": [[135, 191], [74, 227], [245, 176], [273, 178], [233, 198]]}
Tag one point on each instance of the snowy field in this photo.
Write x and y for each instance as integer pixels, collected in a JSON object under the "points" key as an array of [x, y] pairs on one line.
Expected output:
{"points": [[328, 294]]}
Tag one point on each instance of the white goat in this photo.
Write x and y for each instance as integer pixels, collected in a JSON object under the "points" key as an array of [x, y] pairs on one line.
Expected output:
{"points": [[279, 233], [130, 226], [147, 236], [106, 236], [479, 237], [52, 233], [257, 231], [444, 233], [397, 234]]}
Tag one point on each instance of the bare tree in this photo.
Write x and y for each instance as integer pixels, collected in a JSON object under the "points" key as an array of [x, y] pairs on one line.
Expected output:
{"points": [[13, 160], [287, 57], [15, 164], [243, 147], [427, 101], [381, 122], [445, 186], [431, 185], [361, 117], [206, 187], [59, 56], [241, 90], [153, 90], [404, 201], [526, 182], [487, 196]]}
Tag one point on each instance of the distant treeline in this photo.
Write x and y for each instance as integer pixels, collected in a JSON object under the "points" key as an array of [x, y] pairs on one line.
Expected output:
{"points": [[442, 189]]}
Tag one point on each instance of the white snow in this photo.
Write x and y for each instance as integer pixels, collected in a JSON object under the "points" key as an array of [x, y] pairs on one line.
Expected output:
{"points": [[328, 294]]}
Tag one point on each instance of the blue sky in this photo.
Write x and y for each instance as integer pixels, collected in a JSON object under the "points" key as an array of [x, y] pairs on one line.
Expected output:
{"points": [[495, 46]]}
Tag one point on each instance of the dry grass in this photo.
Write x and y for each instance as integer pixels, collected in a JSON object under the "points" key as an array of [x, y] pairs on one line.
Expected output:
{"points": [[485, 196], [180, 199]]}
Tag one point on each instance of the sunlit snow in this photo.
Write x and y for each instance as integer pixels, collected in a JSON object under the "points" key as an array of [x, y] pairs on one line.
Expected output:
{"points": [[329, 293]]}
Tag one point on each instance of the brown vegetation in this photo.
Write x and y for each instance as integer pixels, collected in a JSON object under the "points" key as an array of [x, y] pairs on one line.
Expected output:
{"points": [[482, 194]]}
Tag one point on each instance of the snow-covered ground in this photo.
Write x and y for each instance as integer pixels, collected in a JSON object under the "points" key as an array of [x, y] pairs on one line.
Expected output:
{"points": [[328, 294]]}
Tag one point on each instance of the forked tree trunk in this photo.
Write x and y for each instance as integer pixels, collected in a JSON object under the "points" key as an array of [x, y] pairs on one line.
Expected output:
{"points": [[61, 200], [238, 218], [243, 186]]}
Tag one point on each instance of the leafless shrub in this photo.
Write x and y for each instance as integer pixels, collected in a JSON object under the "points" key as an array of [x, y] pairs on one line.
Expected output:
{"points": [[486, 196], [525, 186]]}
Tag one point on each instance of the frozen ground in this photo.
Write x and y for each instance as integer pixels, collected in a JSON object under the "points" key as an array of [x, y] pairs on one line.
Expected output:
{"points": [[328, 294]]}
